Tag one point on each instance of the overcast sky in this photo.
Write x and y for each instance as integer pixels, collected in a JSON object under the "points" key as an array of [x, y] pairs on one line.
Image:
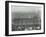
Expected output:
{"points": [[25, 9]]}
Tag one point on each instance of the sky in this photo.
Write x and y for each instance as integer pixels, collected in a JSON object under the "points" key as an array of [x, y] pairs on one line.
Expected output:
{"points": [[25, 9]]}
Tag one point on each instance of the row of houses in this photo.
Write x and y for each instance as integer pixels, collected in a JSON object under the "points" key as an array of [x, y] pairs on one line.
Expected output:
{"points": [[20, 24]]}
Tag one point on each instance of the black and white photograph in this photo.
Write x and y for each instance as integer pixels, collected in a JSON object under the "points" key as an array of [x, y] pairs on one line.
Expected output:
{"points": [[25, 18]]}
